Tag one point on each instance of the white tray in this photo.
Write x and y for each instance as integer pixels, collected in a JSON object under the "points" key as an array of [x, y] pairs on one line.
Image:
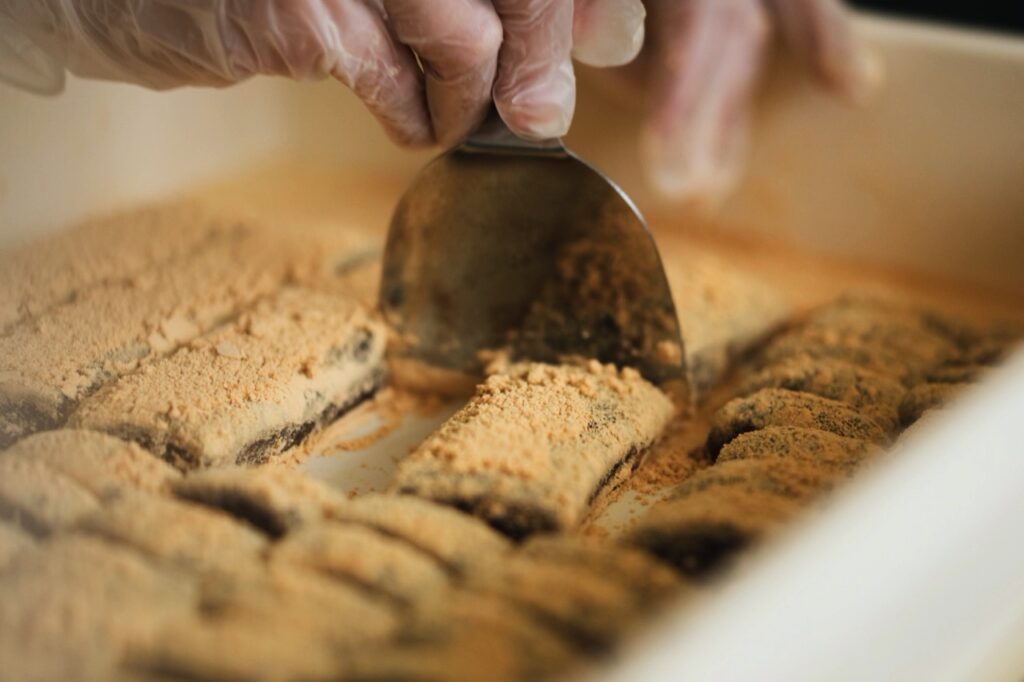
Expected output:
{"points": [[915, 572]]}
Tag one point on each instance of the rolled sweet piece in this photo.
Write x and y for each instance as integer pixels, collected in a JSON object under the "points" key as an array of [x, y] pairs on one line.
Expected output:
{"points": [[251, 389], [879, 360], [100, 463], [276, 623], [726, 507], [782, 407], [175, 534], [653, 582], [458, 541], [361, 556], [91, 304], [799, 444], [55, 269], [871, 393], [536, 443], [898, 341], [71, 607], [191, 648], [40, 499], [464, 636], [723, 312], [50, 364], [865, 322], [587, 608], [271, 498]]}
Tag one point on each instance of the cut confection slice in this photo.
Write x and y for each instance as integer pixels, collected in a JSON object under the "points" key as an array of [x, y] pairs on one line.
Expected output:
{"points": [[70, 607], [781, 407], [102, 464], [723, 312], [55, 269], [47, 366], [39, 498], [466, 636], [701, 532], [800, 444], [305, 603], [209, 649], [879, 360], [272, 498], [251, 389], [364, 557], [536, 443], [280, 623], [896, 341], [652, 581], [853, 322], [724, 508], [869, 392], [176, 533], [588, 609], [457, 540]]}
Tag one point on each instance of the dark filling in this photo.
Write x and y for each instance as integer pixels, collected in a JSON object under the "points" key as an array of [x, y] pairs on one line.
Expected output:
{"points": [[719, 437], [699, 550], [24, 520], [241, 506], [29, 418], [449, 569], [630, 460], [260, 451]]}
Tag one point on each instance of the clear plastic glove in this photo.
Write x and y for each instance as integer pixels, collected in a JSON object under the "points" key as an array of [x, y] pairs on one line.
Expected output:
{"points": [[701, 66], [519, 50]]}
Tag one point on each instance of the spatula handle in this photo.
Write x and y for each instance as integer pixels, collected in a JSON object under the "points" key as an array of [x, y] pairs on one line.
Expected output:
{"points": [[493, 136]]}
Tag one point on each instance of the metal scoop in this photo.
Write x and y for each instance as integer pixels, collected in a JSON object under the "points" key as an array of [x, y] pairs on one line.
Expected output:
{"points": [[503, 243]]}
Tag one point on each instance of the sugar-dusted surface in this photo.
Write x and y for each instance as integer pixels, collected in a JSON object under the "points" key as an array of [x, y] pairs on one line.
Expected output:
{"points": [[251, 389], [536, 443]]}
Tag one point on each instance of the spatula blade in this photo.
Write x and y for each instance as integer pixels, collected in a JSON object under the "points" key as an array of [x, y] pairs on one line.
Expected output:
{"points": [[534, 252]]}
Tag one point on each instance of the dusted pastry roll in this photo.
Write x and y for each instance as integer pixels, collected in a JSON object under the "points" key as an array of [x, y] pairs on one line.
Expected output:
{"points": [[726, 507], [458, 541], [176, 534], [274, 499], [588, 609], [251, 389], [897, 341], [277, 623], [48, 365], [781, 407], [536, 443], [871, 393], [465, 636], [800, 444], [58, 268], [382, 565], [71, 607], [40, 499], [100, 463]]}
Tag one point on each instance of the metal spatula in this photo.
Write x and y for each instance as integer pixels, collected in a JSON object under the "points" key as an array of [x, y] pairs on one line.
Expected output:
{"points": [[505, 243]]}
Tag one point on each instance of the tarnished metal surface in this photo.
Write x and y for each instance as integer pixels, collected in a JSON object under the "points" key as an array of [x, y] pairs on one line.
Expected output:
{"points": [[502, 243]]}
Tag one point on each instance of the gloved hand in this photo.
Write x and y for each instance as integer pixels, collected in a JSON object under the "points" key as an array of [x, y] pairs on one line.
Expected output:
{"points": [[700, 68], [521, 50]]}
